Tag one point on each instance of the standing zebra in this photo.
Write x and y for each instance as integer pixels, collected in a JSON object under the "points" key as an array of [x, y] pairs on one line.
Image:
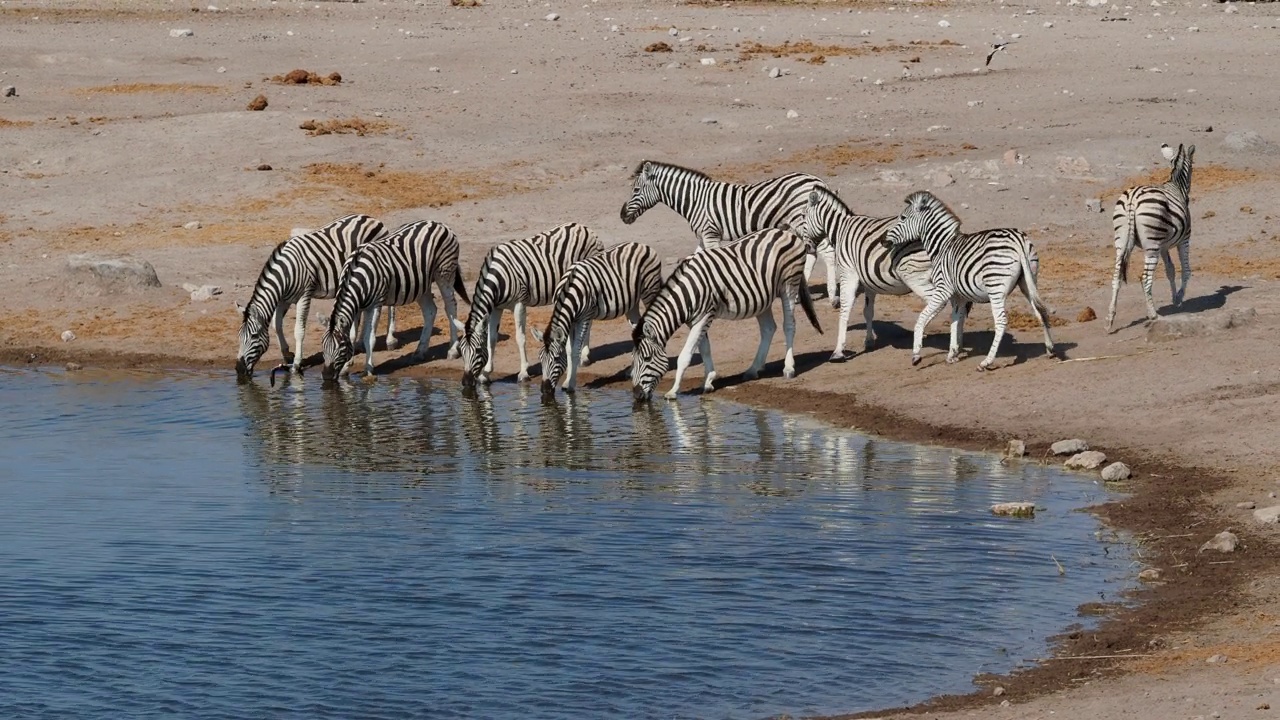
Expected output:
{"points": [[298, 270], [735, 282], [519, 274], [979, 267], [720, 212], [604, 287], [1157, 218], [863, 262], [395, 271]]}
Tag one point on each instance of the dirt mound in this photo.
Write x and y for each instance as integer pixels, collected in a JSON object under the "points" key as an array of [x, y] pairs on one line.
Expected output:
{"points": [[306, 77]]}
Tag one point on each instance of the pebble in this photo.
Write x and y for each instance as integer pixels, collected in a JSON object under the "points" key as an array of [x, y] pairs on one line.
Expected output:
{"points": [[1015, 509], [998, 691], [974, 103], [1115, 472], [74, 366], [708, 61], [1247, 505], [1093, 205], [222, 69], [9, 91], [709, 121], [68, 336], [775, 72], [614, 28], [193, 225], [181, 32], [792, 114], [1216, 660], [1069, 447], [1224, 541], [514, 71], [673, 32], [1267, 515], [552, 17], [1048, 24], [944, 24], [1149, 575], [205, 292], [433, 68], [1015, 449], [1087, 460]]}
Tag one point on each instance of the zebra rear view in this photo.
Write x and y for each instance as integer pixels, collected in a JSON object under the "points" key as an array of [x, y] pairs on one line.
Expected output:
{"points": [[603, 287], [721, 212], [298, 270], [734, 282], [519, 274], [395, 271], [977, 267], [1156, 218]]}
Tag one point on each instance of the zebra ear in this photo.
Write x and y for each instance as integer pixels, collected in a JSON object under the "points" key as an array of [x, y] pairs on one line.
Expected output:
{"points": [[1191, 150]]}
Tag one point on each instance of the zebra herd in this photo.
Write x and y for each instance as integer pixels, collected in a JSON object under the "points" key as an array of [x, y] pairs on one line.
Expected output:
{"points": [[755, 243]]}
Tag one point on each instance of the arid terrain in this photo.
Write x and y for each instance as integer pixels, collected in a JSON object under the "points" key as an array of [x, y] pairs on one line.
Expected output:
{"points": [[125, 137]]}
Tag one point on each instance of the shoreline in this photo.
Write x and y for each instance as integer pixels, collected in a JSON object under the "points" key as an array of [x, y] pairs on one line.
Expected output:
{"points": [[1159, 514]]}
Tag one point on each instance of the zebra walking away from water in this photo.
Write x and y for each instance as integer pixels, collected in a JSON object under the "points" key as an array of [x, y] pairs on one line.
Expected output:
{"points": [[519, 274], [1156, 218], [734, 282], [395, 271], [862, 260], [968, 267], [604, 287], [720, 212], [298, 270]]}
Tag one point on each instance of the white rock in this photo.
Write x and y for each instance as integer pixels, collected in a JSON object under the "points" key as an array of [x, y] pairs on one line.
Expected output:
{"points": [[127, 270], [1116, 472], [1015, 36], [193, 225], [614, 28], [792, 114], [1087, 460], [1093, 205], [974, 103], [222, 69], [1246, 505], [1216, 660], [1048, 24], [998, 691], [944, 24], [1267, 515], [1069, 447], [708, 61], [552, 17], [8, 91], [433, 68], [709, 120], [183, 32], [865, 33], [1015, 449], [673, 32], [68, 336], [1230, 9], [1224, 541], [775, 72], [515, 71], [1015, 509], [205, 292], [1149, 575], [1193, 28]]}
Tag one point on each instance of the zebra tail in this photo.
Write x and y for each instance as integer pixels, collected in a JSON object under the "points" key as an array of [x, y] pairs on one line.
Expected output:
{"points": [[806, 302], [459, 286], [1128, 238], [1030, 269]]}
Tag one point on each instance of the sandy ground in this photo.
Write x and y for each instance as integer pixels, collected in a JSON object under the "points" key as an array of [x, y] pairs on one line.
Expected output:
{"points": [[503, 123]]}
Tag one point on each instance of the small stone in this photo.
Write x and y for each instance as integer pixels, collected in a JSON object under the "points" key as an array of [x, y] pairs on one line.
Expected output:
{"points": [[944, 24], [182, 32], [552, 17], [974, 103], [264, 166], [1048, 24], [1149, 575], [614, 28], [221, 70], [673, 32], [1216, 659], [1246, 505], [205, 293], [514, 71], [128, 270], [1069, 447], [1087, 460], [1116, 472], [709, 121], [1093, 205], [9, 91], [792, 114], [998, 691], [1086, 315], [433, 68], [193, 225], [68, 336], [1267, 515], [1004, 703], [1224, 541], [258, 104], [775, 72], [1015, 509], [1015, 449], [1012, 157], [1231, 9], [708, 61], [74, 366]]}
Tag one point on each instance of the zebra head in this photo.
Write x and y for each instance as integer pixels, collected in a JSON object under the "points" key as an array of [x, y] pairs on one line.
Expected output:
{"points": [[913, 219], [253, 342], [648, 364], [812, 228], [475, 354], [338, 351], [553, 363], [644, 193]]}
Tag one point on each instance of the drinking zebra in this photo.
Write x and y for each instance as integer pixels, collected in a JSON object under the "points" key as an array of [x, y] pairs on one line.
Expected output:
{"points": [[719, 212], [862, 261], [974, 267], [395, 271], [299, 269], [734, 282], [604, 287], [1155, 218], [519, 274]]}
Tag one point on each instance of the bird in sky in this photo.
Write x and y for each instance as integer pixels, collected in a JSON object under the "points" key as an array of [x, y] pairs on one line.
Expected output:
{"points": [[995, 49]]}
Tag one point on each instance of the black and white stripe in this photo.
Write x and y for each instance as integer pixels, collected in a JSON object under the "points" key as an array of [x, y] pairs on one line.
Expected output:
{"points": [[980, 267], [395, 271], [863, 262], [604, 287], [519, 274], [720, 212], [735, 282], [1156, 218], [298, 270]]}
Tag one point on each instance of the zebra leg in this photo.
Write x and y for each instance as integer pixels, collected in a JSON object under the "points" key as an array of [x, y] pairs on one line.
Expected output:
{"points": [[428, 304], [1001, 319], [491, 337], [522, 319], [585, 344], [788, 335], [958, 314], [686, 355], [931, 310], [370, 332], [1168, 271], [1184, 259], [767, 327], [451, 319], [868, 316], [300, 330], [392, 341], [848, 289], [1041, 314], [1148, 275], [833, 283], [1115, 289], [708, 365], [281, 309], [572, 353]]}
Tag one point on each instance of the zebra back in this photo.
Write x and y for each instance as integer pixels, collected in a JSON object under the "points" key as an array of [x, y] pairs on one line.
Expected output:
{"points": [[858, 244], [603, 287]]}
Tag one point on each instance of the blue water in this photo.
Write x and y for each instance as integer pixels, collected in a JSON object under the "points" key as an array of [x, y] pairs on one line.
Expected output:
{"points": [[178, 546]]}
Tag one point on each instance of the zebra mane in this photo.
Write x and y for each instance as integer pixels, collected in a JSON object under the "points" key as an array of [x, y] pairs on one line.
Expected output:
{"points": [[828, 194], [255, 297], [1181, 172], [668, 166], [928, 202]]}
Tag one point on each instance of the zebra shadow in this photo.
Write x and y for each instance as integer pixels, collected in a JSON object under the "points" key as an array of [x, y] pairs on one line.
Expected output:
{"points": [[1213, 301], [976, 343], [805, 361]]}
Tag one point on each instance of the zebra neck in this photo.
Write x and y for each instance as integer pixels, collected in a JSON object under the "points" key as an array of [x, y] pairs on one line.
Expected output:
{"points": [[1181, 179], [671, 309], [939, 232], [560, 327], [482, 300], [346, 307], [682, 191]]}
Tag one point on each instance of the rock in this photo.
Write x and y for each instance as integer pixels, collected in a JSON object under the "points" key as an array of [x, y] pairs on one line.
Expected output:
{"points": [[264, 166], [775, 72], [205, 293], [183, 32], [1048, 24], [1004, 703], [1087, 460], [193, 225], [1230, 9], [1224, 541], [673, 32], [1267, 515], [1216, 659], [1069, 447], [1246, 505], [708, 61], [188, 287], [792, 114], [1086, 315], [1013, 157], [657, 47], [1072, 166], [1116, 472], [1248, 141], [1176, 327], [998, 691], [515, 71], [709, 121], [974, 103], [297, 76], [9, 91], [258, 104], [944, 24], [1015, 449], [1093, 205], [552, 17], [1015, 509], [74, 366], [1149, 575], [68, 336], [942, 179], [123, 269], [891, 176]]}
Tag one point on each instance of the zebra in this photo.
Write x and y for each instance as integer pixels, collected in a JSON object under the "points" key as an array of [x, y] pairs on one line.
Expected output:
{"points": [[519, 274], [603, 287], [299, 269], [735, 282], [395, 271], [971, 267], [864, 264], [1156, 218], [720, 212]]}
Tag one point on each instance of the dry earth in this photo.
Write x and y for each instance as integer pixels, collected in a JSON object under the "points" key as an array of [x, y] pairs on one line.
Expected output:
{"points": [[502, 123]]}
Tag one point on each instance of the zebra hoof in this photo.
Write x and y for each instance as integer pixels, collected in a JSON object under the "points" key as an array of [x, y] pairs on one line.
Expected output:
{"points": [[585, 361], [748, 375], [419, 356], [984, 366], [839, 357], [707, 385], [953, 359], [392, 343], [915, 360], [788, 373], [522, 377], [670, 394]]}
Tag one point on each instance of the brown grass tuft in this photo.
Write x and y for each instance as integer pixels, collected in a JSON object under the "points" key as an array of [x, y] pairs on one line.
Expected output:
{"points": [[657, 47], [15, 123], [1253, 655], [753, 49], [822, 159], [383, 189], [136, 88], [347, 126], [1023, 320], [1207, 178], [306, 77]]}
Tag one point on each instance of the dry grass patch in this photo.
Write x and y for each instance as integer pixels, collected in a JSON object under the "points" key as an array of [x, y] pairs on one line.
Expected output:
{"points": [[348, 126], [1024, 320], [1207, 178], [1256, 655], [4, 123], [381, 188], [121, 11], [1235, 266], [306, 77], [826, 159], [139, 88], [819, 53]]}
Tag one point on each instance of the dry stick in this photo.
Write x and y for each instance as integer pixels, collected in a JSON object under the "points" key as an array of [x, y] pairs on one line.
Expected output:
{"points": [[1092, 657]]}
